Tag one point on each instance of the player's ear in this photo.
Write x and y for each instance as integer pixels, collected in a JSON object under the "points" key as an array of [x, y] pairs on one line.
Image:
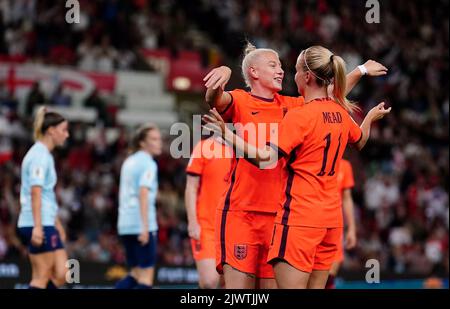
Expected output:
{"points": [[253, 72], [50, 130], [308, 77]]}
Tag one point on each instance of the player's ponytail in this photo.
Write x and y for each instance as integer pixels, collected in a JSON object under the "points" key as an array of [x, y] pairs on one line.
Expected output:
{"points": [[43, 120], [249, 48], [340, 83], [328, 69], [250, 54], [38, 121], [140, 135]]}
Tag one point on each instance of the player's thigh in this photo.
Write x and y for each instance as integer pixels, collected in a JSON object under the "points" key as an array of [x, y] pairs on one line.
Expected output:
{"points": [[267, 283], [236, 279], [42, 264], [59, 268], [289, 277]]}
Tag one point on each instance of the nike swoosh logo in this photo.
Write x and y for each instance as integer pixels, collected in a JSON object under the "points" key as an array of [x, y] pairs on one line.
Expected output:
{"points": [[254, 113]]}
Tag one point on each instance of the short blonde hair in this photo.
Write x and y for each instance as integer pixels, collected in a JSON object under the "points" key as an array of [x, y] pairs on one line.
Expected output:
{"points": [[251, 53]]}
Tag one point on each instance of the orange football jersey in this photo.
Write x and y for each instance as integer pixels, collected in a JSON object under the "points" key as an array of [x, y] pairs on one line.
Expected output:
{"points": [[214, 173], [313, 139], [255, 119]]}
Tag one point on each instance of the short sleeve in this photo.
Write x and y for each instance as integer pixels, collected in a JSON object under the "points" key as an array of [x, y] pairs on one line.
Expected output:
{"points": [[196, 162], [233, 111], [38, 168], [228, 113], [355, 132], [148, 176], [291, 133]]}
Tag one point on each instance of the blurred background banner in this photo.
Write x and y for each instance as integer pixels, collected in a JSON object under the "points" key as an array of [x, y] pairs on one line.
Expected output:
{"points": [[133, 61]]}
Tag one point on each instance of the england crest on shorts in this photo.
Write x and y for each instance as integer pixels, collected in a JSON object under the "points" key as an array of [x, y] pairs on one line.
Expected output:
{"points": [[240, 251], [198, 246], [54, 241]]}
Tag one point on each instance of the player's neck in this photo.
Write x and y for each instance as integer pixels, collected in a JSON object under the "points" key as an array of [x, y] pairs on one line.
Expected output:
{"points": [[147, 151], [261, 92], [47, 141], [315, 93]]}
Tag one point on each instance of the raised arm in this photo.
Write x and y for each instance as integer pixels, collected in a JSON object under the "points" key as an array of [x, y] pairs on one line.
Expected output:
{"points": [[373, 115], [215, 82], [370, 68]]}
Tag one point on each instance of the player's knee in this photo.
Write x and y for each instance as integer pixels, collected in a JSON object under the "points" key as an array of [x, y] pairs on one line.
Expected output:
{"points": [[145, 275], [59, 278], [135, 273]]}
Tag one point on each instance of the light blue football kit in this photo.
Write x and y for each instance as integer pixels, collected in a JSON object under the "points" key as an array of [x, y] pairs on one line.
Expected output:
{"points": [[138, 170], [38, 169]]}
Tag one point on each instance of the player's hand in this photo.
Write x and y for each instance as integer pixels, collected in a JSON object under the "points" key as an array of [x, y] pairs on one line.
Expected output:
{"points": [[378, 112], [194, 230], [217, 77], [37, 236], [144, 237], [214, 122], [350, 239], [375, 68]]}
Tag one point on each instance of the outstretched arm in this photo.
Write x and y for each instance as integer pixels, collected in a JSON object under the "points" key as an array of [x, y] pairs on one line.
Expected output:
{"points": [[370, 68], [215, 82], [262, 157]]}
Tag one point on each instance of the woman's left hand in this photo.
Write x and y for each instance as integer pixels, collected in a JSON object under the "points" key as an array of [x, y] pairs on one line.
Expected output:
{"points": [[375, 68], [214, 122]]}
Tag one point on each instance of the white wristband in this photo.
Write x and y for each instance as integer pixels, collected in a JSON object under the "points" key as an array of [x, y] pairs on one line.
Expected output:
{"points": [[363, 69]]}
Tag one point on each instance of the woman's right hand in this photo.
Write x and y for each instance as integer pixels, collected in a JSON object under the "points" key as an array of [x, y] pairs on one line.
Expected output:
{"points": [[217, 77], [37, 236], [144, 237], [213, 122], [194, 230]]}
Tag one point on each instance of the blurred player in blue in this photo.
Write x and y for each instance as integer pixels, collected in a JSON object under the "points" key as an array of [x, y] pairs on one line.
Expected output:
{"points": [[137, 224], [39, 226]]}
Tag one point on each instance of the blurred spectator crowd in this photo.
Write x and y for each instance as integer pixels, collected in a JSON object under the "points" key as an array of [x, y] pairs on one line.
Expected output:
{"points": [[402, 177]]}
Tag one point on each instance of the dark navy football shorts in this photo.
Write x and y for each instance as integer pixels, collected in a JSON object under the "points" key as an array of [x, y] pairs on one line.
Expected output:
{"points": [[51, 242], [138, 255]]}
